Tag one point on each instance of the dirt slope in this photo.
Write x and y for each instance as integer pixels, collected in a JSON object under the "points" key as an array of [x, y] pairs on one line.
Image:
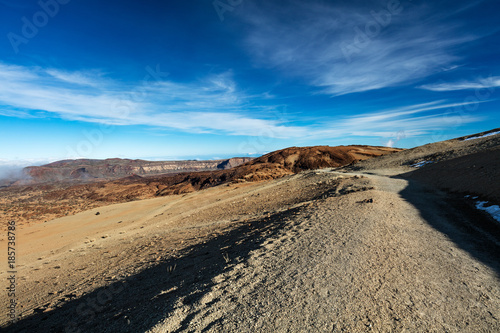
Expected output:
{"points": [[435, 152], [315, 251], [468, 167], [348, 266], [476, 174]]}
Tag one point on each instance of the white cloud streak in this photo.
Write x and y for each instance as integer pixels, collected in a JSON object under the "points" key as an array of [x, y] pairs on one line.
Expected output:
{"points": [[210, 106], [413, 121], [213, 105], [490, 82], [92, 79], [331, 48]]}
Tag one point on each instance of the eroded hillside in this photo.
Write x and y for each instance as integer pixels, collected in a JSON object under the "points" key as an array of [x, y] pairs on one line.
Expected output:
{"points": [[43, 202]]}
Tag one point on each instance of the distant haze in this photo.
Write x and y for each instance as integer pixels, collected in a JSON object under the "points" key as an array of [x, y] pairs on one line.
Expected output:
{"points": [[14, 169]]}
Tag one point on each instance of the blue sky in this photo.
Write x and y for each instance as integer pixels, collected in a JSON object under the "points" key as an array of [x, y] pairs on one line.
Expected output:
{"points": [[205, 79]]}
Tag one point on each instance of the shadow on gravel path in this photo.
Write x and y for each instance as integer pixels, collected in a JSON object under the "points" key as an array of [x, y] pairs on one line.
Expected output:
{"points": [[141, 301], [466, 226]]}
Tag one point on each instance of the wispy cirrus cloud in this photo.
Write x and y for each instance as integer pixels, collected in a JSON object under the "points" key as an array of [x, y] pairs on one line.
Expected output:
{"points": [[89, 78], [344, 49], [412, 120], [481, 83], [211, 105]]}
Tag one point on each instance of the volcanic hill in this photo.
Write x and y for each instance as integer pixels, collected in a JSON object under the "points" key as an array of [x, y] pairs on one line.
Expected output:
{"points": [[54, 198]]}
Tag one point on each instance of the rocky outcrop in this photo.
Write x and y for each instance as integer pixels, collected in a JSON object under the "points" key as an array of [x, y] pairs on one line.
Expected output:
{"points": [[233, 162]]}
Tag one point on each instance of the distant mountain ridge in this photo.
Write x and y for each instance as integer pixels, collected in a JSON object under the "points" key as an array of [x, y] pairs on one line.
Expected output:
{"points": [[114, 168], [43, 201]]}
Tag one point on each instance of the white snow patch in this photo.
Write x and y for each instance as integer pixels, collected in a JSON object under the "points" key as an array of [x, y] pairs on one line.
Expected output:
{"points": [[482, 136], [420, 164], [493, 210]]}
